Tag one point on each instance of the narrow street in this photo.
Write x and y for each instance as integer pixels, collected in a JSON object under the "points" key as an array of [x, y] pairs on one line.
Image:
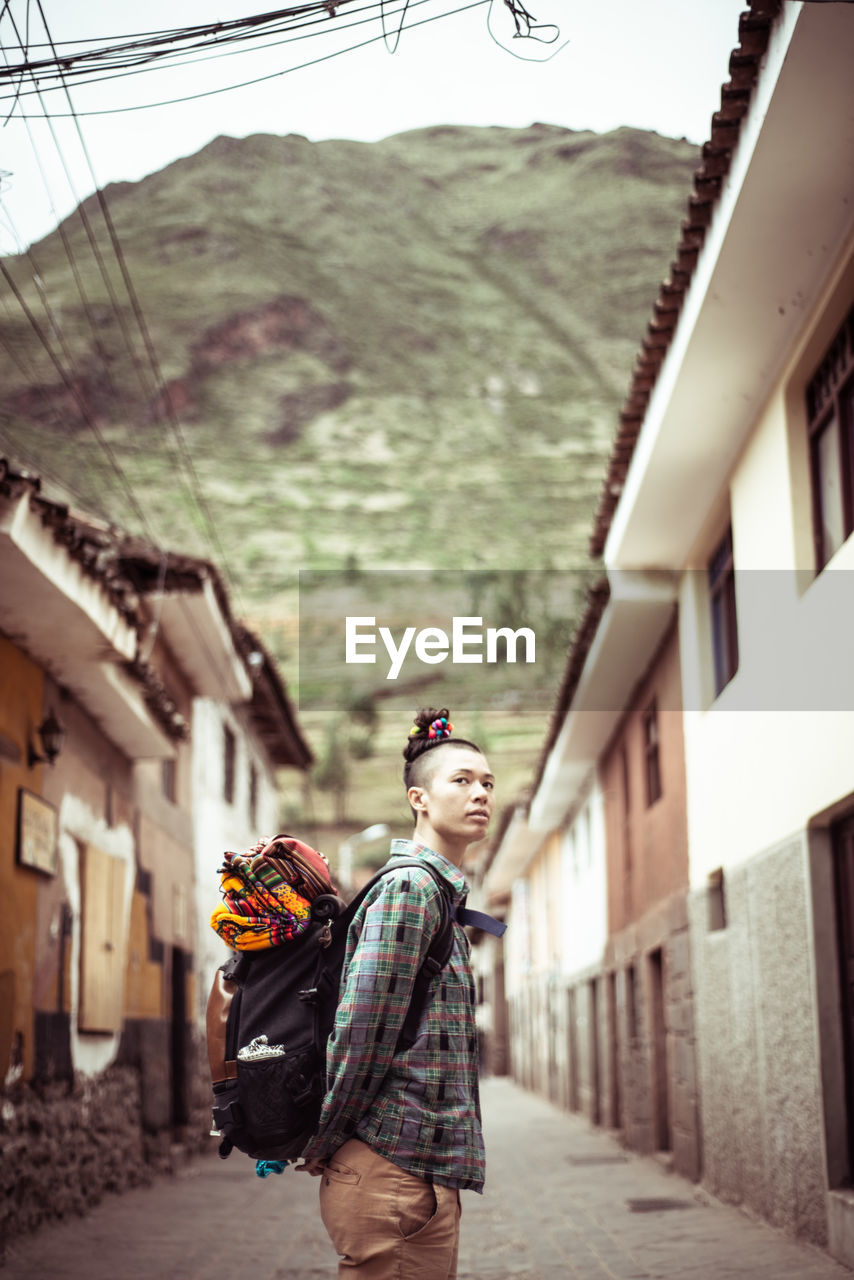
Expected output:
{"points": [[562, 1200]]}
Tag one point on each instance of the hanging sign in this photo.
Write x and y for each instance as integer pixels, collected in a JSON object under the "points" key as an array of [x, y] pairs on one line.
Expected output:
{"points": [[38, 832]]}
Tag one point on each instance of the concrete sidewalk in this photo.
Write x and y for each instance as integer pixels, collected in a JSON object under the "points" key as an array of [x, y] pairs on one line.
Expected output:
{"points": [[561, 1200]]}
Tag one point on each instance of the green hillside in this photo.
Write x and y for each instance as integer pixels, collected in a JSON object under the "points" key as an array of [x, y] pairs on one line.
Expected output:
{"points": [[400, 355]]}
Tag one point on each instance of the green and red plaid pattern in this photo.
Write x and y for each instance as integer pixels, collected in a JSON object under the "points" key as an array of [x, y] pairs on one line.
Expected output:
{"points": [[419, 1108]]}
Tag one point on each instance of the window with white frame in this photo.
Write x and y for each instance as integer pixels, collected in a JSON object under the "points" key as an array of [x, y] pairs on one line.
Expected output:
{"points": [[721, 572], [830, 422]]}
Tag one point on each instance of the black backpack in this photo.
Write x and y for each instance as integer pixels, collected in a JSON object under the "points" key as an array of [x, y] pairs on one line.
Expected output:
{"points": [[270, 1014]]}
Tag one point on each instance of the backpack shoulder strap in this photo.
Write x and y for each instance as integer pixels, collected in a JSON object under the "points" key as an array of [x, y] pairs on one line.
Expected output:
{"points": [[438, 955], [479, 920], [439, 951]]}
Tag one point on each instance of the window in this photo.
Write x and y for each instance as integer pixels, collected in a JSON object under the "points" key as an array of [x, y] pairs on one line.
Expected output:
{"points": [[631, 1002], [626, 800], [722, 606], [253, 795], [830, 420], [168, 778], [230, 751], [652, 764], [716, 901]]}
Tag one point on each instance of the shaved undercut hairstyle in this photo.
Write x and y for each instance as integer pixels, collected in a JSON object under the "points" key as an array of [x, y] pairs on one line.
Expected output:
{"points": [[420, 750]]}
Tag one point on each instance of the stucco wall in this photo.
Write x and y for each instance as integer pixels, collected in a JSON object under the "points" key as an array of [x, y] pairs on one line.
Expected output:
{"points": [[776, 742], [21, 695], [756, 1043], [647, 844], [219, 825], [583, 902]]}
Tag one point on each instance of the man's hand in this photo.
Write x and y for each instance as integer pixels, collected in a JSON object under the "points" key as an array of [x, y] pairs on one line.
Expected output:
{"points": [[313, 1167]]}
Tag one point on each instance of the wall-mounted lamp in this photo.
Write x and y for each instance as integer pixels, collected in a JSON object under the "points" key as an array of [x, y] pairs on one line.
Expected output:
{"points": [[52, 736]]}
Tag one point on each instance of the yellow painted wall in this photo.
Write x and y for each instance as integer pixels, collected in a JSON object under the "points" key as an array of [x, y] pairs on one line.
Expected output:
{"points": [[21, 710]]}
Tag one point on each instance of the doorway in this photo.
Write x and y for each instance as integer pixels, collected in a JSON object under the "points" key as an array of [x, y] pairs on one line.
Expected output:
{"points": [[843, 867], [615, 1119], [179, 1047], [593, 1050], [658, 1028]]}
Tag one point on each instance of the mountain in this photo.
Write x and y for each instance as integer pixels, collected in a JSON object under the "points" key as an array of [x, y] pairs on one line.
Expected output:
{"points": [[406, 354]]}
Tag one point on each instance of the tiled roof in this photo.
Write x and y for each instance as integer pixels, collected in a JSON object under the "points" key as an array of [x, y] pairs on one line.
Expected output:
{"points": [[598, 596], [91, 543], [270, 709], [127, 568], [754, 29]]}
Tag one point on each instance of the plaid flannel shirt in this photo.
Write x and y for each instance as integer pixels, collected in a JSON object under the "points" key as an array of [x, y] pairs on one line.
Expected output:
{"points": [[419, 1108]]}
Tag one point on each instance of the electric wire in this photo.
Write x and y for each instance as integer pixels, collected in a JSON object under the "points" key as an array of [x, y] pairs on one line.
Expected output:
{"points": [[134, 44], [79, 381], [32, 377], [36, 464], [371, 9], [75, 115], [19, 453], [41, 289], [78, 281], [275, 75], [94, 246], [148, 344], [392, 48], [185, 454], [63, 235], [134, 55], [74, 392]]}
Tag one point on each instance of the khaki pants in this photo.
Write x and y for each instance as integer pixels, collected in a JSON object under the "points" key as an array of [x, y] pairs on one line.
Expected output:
{"points": [[386, 1223]]}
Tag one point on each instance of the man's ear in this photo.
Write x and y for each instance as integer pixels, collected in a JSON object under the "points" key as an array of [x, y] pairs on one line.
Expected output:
{"points": [[416, 798]]}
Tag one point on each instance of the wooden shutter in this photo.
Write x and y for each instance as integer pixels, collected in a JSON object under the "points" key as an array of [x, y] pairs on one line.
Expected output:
{"points": [[103, 940]]}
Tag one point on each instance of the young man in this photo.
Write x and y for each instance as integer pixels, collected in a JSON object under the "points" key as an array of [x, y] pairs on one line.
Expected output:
{"points": [[399, 1133]]}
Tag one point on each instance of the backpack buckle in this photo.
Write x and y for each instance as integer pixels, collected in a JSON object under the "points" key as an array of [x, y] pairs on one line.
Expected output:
{"points": [[308, 996]]}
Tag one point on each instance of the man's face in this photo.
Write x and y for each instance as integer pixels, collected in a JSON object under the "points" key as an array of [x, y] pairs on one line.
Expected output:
{"points": [[458, 794]]}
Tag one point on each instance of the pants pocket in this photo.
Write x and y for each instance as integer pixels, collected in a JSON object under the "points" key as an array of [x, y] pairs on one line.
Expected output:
{"points": [[417, 1206], [337, 1171]]}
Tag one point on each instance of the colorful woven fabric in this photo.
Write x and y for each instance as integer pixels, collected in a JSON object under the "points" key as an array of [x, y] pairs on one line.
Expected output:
{"points": [[267, 893]]}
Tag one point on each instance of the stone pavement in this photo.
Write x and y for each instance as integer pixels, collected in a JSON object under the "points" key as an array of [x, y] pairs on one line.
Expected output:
{"points": [[562, 1200]]}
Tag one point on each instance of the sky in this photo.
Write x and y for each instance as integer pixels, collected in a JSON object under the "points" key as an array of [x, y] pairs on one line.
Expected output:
{"points": [[652, 64]]}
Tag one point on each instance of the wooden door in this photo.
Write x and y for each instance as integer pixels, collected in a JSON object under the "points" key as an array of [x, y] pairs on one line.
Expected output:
{"points": [[843, 854]]}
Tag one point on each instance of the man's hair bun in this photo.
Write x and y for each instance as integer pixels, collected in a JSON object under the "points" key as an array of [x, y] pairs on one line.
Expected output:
{"points": [[431, 727]]}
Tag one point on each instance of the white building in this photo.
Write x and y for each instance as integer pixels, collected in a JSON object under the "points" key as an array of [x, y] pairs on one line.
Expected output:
{"points": [[237, 750], [725, 525], [734, 472]]}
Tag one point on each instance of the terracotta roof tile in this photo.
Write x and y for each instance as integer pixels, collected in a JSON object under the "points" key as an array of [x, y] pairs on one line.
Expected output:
{"points": [[716, 156], [598, 595], [127, 567]]}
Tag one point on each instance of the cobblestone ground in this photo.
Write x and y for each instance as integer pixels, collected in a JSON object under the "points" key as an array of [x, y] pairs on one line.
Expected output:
{"points": [[562, 1201]]}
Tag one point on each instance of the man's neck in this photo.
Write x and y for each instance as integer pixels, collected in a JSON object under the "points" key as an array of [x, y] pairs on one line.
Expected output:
{"points": [[454, 851]]}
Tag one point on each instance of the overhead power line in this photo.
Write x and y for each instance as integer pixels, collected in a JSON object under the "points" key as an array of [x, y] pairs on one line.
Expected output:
{"points": [[382, 9], [152, 383], [193, 57]]}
